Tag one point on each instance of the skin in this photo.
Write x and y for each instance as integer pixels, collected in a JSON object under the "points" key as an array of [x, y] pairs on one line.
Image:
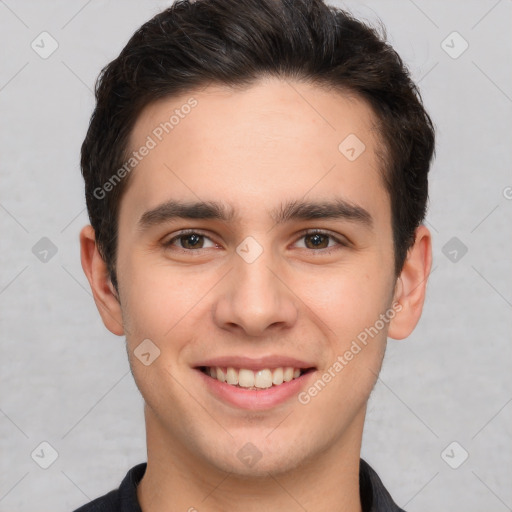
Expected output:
{"points": [[253, 149]]}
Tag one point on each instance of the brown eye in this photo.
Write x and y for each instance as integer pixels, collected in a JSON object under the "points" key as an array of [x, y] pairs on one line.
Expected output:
{"points": [[189, 241], [192, 241], [317, 241], [322, 242]]}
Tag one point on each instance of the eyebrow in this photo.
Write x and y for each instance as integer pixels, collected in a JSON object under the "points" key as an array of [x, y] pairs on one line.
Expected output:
{"points": [[292, 210]]}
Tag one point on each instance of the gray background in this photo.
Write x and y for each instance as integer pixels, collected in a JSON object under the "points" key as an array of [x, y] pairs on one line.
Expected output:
{"points": [[65, 379]]}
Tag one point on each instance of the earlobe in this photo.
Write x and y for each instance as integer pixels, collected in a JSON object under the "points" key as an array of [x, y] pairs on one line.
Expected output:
{"points": [[411, 285], [104, 293]]}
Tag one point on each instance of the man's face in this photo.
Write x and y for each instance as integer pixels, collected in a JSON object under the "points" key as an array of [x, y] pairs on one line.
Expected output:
{"points": [[256, 286]]}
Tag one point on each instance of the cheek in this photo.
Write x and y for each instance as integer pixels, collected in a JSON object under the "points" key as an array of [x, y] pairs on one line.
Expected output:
{"points": [[346, 299], [161, 298], [157, 305], [155, 297], [350, 308]]}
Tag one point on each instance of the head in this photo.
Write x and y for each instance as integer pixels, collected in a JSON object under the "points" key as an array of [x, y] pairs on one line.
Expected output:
{"points": [[252, 111]]}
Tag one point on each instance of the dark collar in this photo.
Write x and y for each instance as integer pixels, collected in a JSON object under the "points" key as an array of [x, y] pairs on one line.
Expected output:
{"points": [[374, 496]]}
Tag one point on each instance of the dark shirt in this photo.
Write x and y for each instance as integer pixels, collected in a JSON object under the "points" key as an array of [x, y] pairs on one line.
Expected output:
{"points": [[374, 496]]}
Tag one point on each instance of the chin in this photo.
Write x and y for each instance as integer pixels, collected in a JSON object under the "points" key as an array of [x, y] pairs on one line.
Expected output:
{"points": [[255, 457]]}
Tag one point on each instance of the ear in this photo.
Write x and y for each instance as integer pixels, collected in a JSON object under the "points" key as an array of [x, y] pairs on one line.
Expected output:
{"points": [[104, 293], [411, 285]]}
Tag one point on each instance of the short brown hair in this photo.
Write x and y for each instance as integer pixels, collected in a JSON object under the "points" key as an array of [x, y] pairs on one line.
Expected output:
{"points": [[234, 42]]}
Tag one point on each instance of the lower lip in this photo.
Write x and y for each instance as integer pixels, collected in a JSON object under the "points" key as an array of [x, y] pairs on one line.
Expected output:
{"points": [[252, 399]]}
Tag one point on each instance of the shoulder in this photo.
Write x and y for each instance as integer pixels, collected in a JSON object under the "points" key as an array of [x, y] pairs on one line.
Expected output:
{"points": [[374, 496], [123, 499], [107, 503]]}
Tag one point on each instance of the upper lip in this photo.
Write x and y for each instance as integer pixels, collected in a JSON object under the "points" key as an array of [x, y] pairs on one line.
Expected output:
{"points": [[257, 363]]}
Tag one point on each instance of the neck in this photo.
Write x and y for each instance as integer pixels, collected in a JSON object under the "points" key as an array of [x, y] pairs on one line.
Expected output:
{"points": [[176, 479]]}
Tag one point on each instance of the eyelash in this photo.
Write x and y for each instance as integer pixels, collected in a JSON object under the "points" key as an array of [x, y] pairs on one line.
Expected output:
{"points": [[303, 234]]}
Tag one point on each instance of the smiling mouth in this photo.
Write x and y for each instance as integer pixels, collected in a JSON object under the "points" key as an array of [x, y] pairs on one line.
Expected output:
{"points": [[253, 380]]}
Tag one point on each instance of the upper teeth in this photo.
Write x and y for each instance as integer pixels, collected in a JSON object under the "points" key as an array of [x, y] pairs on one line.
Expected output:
{"points": [[245, 378]]}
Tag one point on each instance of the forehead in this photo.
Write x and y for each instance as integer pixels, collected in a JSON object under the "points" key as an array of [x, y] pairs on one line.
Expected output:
{"points": [[277, 139]]}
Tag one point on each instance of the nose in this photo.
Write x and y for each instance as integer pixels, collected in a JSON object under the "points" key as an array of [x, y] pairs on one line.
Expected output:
{"points": [[255, 299]]}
